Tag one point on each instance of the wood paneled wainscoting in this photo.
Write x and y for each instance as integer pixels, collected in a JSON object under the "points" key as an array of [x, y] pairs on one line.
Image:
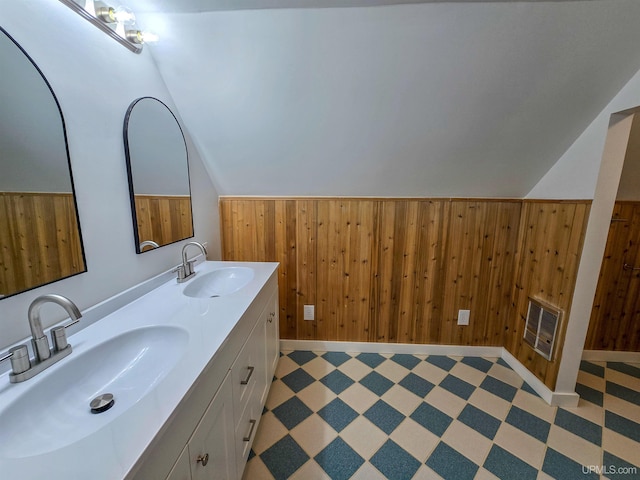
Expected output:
{"points": [[164, 219], [615, 318], [398, 270], [550, 243], [39, 240]]}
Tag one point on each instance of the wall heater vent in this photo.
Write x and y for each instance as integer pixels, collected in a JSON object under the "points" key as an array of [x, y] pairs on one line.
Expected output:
{"points": [[541, 327]]}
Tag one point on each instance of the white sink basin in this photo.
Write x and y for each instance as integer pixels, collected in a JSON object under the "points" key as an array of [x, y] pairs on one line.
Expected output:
{"points": [[54, 412], [217, 283]]}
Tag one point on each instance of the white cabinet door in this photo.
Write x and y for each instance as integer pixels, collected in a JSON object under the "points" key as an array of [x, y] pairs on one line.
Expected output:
{"points": [[212, 454], [181, 470]]}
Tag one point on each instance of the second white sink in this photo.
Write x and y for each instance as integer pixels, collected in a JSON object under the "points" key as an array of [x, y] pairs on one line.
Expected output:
{"points": [[217, 283]]}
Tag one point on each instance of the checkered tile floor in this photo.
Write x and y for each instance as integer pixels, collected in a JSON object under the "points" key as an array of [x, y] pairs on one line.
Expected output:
{"points": [[367, 416]]}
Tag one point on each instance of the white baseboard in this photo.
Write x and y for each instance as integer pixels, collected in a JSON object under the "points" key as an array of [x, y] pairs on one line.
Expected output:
{"points": [[611, 356], [533, 381], [566, 400], [561, 399], [558, 399], [373, 347]]}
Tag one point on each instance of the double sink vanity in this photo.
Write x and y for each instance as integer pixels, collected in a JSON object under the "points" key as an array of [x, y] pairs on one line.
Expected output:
{"points": [[188, 366], [164, 380]]}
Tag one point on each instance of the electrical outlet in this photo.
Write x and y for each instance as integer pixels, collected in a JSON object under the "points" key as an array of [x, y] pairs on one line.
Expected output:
{"points": [[309, 312], [463, 317]]}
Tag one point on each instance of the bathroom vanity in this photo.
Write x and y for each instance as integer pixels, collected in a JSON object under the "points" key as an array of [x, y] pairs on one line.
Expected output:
{"points": [[189, 365], [220, 417]]}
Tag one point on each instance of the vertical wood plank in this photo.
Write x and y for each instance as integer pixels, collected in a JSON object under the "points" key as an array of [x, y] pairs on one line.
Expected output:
{"points": [[438, 238], [285, 247], [306, 240], [615, 316], [385, 318]]}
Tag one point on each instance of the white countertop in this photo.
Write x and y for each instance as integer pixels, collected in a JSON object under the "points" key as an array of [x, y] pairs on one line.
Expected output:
{"points": [[113, 449]]}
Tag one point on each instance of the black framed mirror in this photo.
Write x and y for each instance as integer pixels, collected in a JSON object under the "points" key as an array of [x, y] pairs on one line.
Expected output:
{"points": [[158, 171], [40, 238]]}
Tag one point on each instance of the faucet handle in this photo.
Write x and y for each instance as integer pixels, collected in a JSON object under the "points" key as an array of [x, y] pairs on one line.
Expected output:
{"points": [[189, 268], [59, 336], [19, 359], [180, 271]]}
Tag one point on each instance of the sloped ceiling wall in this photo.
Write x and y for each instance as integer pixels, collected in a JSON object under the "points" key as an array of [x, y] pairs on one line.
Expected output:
{"points": [[437, 99]]}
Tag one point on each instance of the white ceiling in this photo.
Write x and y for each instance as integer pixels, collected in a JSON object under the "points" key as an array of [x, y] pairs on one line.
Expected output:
{"points": [[434, 99]]}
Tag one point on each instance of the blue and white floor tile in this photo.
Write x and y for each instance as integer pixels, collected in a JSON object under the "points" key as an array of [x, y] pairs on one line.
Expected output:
{"points": [[335, 415]]}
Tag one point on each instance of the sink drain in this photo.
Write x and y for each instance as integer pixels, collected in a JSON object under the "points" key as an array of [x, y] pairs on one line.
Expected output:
{"points": [[102, 403]]}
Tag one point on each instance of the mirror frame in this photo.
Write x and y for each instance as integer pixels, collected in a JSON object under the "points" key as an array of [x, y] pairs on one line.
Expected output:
{"points": [[71, 181], [132, 199]]}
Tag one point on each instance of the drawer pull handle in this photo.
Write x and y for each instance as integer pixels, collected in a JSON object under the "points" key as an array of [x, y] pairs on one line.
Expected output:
{"points": [[204, 459], [246, 380], [248, 437], [272, 315]]}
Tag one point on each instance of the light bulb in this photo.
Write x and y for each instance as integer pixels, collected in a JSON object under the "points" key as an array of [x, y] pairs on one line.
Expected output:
{"points": [[124, 15], [139, 37], [149, 37]]}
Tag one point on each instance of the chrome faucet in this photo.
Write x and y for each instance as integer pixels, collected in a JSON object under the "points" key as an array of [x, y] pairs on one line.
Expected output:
{"points": [[185, 271], [148, 243], [22, 367]]}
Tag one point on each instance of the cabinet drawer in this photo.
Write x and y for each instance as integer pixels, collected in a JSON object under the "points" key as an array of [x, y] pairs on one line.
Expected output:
{"points": [[245, 432], [248, 372]]}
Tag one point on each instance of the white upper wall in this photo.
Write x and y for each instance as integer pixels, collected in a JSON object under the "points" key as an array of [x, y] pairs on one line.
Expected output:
{"points": [[438, 99], [158, 163], [576, 173], [95, 80], [31, 137]]}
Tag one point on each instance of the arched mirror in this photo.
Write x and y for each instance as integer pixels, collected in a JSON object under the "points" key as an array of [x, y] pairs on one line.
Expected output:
{"points": [[40, 240], [158, 170]]}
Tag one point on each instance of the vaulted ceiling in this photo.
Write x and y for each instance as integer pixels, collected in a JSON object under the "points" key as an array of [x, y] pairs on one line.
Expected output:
{"points": [[414, 99]]}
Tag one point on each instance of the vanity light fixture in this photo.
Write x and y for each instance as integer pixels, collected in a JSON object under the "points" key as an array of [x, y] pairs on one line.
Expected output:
{"points": [[106, 14], [118, 23], [139, 37], [125, 16]]}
